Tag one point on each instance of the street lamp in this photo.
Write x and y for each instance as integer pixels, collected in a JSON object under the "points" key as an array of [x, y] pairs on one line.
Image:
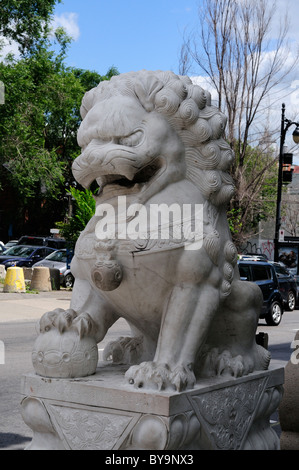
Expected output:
{"points": [[285, 125], [296, 135]]}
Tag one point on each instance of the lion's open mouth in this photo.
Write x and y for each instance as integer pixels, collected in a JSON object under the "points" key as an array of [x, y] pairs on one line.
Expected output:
{"points": [[121, 185]]}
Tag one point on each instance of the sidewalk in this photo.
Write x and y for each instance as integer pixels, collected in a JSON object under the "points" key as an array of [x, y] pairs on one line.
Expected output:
{"points": [[21, 306]]}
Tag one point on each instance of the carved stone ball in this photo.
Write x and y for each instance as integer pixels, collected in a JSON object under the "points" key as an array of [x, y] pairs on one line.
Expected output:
{"points": [[107, 275], [64, 355]]}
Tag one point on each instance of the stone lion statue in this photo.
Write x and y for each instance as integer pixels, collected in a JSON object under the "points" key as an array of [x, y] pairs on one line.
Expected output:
{"points": [[153, 138]]}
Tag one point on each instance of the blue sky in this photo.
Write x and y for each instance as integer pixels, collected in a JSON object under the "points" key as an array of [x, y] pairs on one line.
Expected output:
{"points": [[129, 34], [148, 34]]}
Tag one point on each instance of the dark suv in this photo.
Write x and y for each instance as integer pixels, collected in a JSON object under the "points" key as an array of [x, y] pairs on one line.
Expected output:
{"points": [[287, 286], [57, 243], [264, 275]]}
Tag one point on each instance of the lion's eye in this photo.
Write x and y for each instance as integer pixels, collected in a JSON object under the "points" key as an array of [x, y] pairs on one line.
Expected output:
{"points": [[131, 140]]}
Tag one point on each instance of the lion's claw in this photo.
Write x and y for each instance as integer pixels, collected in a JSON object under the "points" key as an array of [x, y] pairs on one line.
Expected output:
{"points": [[65, 320], [160, 376], [125, 350]]}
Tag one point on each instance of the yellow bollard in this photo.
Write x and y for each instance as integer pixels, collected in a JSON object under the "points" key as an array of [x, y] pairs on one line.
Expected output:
{"points": [[14, 280]]}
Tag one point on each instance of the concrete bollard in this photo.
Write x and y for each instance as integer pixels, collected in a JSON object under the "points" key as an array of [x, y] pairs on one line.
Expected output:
{"points": [[14, 280], [55, 278], [41, 279], [28, 273], [2, 271]]}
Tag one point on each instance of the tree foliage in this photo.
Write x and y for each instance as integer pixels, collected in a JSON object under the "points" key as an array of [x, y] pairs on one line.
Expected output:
{"points": [[39, 120], [26, 21], [244, 59], [84, 209]]}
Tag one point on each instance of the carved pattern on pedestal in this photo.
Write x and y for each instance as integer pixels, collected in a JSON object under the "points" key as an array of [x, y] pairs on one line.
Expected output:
{"points": [[226, 414], [185, 429], [230, 415], [89, 430]]}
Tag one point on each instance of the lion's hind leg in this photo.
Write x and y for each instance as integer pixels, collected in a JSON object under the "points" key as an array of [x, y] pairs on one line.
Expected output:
{"points": [[184, 328], [231, 347]]}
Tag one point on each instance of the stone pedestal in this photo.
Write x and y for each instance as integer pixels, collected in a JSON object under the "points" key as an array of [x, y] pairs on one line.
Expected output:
{"points": [[102, 412], [289, 406]]}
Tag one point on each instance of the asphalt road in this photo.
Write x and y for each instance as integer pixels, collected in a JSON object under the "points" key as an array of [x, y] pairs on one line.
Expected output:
{"points": [[19, 314]]}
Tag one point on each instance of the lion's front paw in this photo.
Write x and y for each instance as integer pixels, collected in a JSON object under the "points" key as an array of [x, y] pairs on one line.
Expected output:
{"points": [[67, 320], [66, 346], [125, 350], [153, 375]]}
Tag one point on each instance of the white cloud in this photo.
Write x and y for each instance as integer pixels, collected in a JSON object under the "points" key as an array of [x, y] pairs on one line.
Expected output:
{"points": [[69, 22], [8, 48], [288, 7], [205, 83]]}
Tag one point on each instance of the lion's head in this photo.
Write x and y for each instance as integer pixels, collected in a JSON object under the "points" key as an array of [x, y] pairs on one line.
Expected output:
{"points": [[141, 124]]}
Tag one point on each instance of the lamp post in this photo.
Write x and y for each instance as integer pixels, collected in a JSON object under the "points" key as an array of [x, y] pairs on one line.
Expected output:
{"points": [[285, 125]]}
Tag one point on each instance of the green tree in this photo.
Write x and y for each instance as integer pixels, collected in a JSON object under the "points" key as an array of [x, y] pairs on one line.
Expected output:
{"points": [[26, 21], [40, 118], [242, 51], [38, 122], [38, 129], [84, 209], [255, 196]]}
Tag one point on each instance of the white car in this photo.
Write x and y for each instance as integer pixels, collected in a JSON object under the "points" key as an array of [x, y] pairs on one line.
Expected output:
{"points": [[58, 260]]}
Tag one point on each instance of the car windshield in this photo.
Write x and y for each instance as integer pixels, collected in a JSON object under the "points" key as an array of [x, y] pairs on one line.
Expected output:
{"points": [[57, 256], [19, 250]]}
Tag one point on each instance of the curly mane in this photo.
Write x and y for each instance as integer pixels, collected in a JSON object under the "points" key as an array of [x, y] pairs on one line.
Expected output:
{"points": [[187, 107]]}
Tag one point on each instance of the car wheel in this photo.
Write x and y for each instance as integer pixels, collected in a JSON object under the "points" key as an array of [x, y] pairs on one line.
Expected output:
{"points": [[291, 301], [69, 280], [274, 315]]}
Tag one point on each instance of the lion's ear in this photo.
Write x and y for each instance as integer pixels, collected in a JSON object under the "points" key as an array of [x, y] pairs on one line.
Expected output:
{"points": [[87, 102], [146, 91]]}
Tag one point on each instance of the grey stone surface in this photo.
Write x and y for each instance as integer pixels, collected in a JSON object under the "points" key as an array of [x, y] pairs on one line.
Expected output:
{"points": [[102, 412], [153, 138], [194, 376], [289, 406]]}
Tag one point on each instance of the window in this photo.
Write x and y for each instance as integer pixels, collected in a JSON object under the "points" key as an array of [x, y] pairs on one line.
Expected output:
{"points": [[58, 256], [281, 271], [40, 252], [19, 250], [260, 273], [47, 251], [244, 272]]}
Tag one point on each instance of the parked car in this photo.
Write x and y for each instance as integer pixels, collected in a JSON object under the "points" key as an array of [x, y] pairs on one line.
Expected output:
{"points": [[58, 260], [296, 277], [24, 255], [264, 275], [58, 243], [287, 286], [10, 243]]}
